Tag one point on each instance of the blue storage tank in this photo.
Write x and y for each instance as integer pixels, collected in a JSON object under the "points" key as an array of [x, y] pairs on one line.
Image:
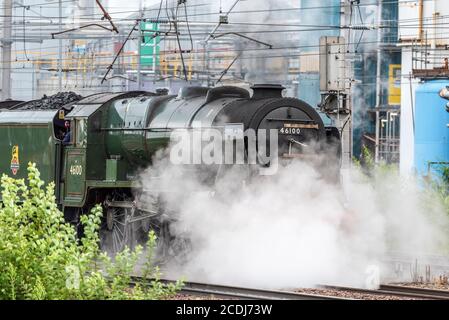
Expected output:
{"points": [[431, 130]]}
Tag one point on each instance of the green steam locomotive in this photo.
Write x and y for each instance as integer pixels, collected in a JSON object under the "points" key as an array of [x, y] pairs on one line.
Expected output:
{"points": [[114, 136]]}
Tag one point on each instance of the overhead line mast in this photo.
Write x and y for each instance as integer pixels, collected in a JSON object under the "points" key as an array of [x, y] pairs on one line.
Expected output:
{"points": [[6, 50]]}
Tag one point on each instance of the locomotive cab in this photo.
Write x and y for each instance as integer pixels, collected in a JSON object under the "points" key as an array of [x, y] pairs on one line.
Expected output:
{"points": [[32, 136]]}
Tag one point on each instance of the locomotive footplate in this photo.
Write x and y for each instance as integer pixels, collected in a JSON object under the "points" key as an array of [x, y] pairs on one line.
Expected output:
{"points": [[142, 213], [299, 156]]}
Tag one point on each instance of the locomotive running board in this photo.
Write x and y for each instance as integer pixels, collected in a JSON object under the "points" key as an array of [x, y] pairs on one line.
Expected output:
{"points": [[120, 204], [131, 204], [298, 156]]}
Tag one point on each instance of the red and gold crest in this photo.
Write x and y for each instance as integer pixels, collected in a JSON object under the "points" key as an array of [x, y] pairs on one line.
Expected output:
{"points": [[15, 165]]}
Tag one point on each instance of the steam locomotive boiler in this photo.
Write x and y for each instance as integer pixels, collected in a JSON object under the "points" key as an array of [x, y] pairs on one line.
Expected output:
{"points": [[114, 136]]}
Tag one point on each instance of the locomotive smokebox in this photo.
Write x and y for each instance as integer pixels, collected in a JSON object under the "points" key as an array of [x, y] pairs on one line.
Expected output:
{"points": [[266, 91]]}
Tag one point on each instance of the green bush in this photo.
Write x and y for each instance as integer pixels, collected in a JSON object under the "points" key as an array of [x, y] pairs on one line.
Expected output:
{"points": [[42, 258], [439, 184]]}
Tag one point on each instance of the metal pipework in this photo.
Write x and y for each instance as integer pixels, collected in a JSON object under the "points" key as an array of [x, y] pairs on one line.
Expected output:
{"points": [[444, 93], [378, 83], [421, 20]]}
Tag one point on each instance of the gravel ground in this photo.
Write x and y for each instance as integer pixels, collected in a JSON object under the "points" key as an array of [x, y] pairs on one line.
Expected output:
{"points": [[322, 292], [337, 293], [432, 286], [192, 297], [350, 294]]}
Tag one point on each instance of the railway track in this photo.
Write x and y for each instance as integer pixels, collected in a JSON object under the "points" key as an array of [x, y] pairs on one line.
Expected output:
{"points": [[394, 290], [330, 293], [431, 293], [232, 292], [250, 293]]}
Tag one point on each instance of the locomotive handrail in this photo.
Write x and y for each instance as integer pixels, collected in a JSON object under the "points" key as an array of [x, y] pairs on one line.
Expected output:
{"points": [[141, 129], [160, 129], [290, 120]]}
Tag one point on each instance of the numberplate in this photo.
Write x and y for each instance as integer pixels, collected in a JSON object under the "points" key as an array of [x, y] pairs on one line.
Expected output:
{"points": [[296, 128], [290, 131]]}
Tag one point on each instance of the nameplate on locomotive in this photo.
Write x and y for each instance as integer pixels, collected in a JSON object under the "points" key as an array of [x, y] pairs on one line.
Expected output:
{"points": [[295, 128]]}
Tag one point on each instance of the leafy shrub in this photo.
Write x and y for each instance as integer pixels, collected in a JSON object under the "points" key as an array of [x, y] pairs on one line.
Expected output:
{"points": [[367, 162], [42, 258], [439, 184]]}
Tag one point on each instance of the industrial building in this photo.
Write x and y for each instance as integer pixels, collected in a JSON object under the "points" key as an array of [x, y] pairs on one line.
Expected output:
{"points": [[424, 44], [389, 50]]}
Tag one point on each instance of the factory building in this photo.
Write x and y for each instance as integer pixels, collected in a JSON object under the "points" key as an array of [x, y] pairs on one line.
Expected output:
{"points": [[424, 48], [376, 94]]}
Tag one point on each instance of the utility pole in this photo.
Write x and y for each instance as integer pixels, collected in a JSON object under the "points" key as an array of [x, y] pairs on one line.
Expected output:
{"points": [[139, 49], [344, 117], [6, 50], [378, 82], [60, 49]]}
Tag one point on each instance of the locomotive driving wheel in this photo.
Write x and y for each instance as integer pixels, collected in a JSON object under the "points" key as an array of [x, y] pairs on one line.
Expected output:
{"points": [[169, 248], [159, 219], [118, 229], [153, 205]]}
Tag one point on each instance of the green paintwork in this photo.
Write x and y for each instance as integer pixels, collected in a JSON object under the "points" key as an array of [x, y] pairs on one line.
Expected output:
{"points": [[127, 134], [115, 169], [111, 169], [114, 137], [75, 176], [32, 133]]}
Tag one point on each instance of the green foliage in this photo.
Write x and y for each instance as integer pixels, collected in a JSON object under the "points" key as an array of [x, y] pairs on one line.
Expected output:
{"points": [[368, 166], [356, 163], [439, 184], [367, 160], [42, 258], [445, 176]]}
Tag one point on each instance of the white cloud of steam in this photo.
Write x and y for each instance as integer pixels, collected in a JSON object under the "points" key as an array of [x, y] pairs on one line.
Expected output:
{"points": [[294, 229]]}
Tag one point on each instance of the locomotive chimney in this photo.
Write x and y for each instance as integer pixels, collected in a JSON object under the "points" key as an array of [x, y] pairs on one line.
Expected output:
{"points": [[264, 91]]}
